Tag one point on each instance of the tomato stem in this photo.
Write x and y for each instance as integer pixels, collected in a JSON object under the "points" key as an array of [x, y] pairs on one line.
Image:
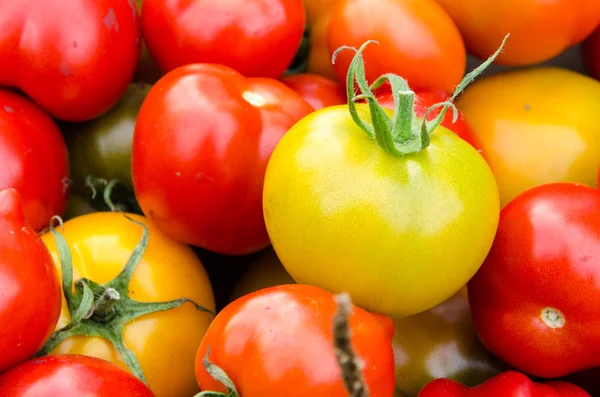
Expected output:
{"points": [[348, 361], [104, 310], [403, 134], [218, 374]]}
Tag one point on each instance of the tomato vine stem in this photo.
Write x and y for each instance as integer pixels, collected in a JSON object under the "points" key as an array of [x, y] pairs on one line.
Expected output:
{"points": [[403, 133], [104, 310]]}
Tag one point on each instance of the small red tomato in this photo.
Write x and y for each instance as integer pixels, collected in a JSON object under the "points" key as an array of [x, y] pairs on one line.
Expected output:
{"points": [[258, 38], [417, 40], [70, 375], [279, 342], [201, 144], [30, 293], [33, 158], [535, 299], [317, 90], [424, 100], [73, 57]]}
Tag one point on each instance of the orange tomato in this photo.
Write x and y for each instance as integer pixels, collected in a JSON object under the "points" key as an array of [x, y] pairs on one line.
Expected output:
{"points": [[319, 57], [539, 29], [417, 40], [316, 8], [317, 90]]}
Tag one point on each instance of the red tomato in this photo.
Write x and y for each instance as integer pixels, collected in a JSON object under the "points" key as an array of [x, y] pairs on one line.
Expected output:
{"points": [[507, 384], [279, 342], [535, 299], [70, 375], [33, 158], [73, 57], [417, 40], [591, 54], [317, 90], [539, 29], [30, 292], [201, 144], [426, 99], [258, 38]]}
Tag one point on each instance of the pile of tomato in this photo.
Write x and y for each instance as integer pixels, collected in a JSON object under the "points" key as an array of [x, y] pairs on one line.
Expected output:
{"points": [[249, 198]]}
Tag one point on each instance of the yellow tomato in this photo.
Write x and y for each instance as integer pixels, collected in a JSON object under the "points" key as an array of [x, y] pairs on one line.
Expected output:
{"points": [[164, 342], [400, 234], [536, 126]]}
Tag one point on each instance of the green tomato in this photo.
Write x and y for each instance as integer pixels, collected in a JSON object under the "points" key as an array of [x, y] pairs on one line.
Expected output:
{"points": [[102, 147]]}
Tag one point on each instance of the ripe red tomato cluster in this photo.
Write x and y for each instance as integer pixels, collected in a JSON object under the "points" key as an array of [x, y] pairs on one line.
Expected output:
{"points": [[364, 198]]}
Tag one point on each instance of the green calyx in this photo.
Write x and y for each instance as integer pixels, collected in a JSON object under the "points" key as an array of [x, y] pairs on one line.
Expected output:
{"points": [[403, 133], [116, 196], [103, 310], [220, 376]]}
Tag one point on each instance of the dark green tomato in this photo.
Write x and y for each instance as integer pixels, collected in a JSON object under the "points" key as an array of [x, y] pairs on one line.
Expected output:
{"points": [[76, 206], [440, 342], [102, 147]]}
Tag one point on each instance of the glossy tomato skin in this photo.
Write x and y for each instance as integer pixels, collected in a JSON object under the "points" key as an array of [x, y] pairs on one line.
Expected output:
{"points": [[537, 287], [507, 384], [33, 158], [70, 375], [526, 141], [440, 342], [164, 342], [317, 90], [591, 54], [76, 71], [102, 147], [202, 141], [30, 297], [269, 342], [417, 40], [558, 25], [416, 213], [258, 38]]}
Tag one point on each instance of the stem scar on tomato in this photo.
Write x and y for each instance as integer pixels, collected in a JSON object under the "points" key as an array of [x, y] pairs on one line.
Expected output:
{"points": [[103, 310], [553, 318], [402, 135]]}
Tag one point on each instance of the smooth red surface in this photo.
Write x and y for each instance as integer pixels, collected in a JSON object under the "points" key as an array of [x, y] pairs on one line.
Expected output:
{"points": [[317, 90], [507, 384], [202, 141], [30, 293], [33, 158], [258, 38], [69, 376], [417, 40], [424, 100], [279, 342], [591, 54], [73, 57], [545, 255]]}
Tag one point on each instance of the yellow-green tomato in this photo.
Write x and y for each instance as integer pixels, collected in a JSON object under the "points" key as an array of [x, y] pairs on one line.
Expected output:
{"points": [[400, 234], [441, 343], [536, 126]]}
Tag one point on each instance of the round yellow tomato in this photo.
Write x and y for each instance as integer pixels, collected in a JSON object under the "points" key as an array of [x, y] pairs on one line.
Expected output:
{"points": [[164, 343], [400, 234], [536, 126]]}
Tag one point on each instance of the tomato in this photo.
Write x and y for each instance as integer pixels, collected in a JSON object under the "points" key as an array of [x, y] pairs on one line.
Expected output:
{"points": [[591, 54], [29, 285], [587, 380], [77, 205], [538, 286], [319, 57], [317, 90], [316, 8], [417, 40], [374, 211], [33, 157], [164, 343], [539, 29], [526, 141], [426, 99], [70, 375], [269, 343], [74, 59], [258, 38], [214, 131], [508, 384], [147, 70], [102, 147]]}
